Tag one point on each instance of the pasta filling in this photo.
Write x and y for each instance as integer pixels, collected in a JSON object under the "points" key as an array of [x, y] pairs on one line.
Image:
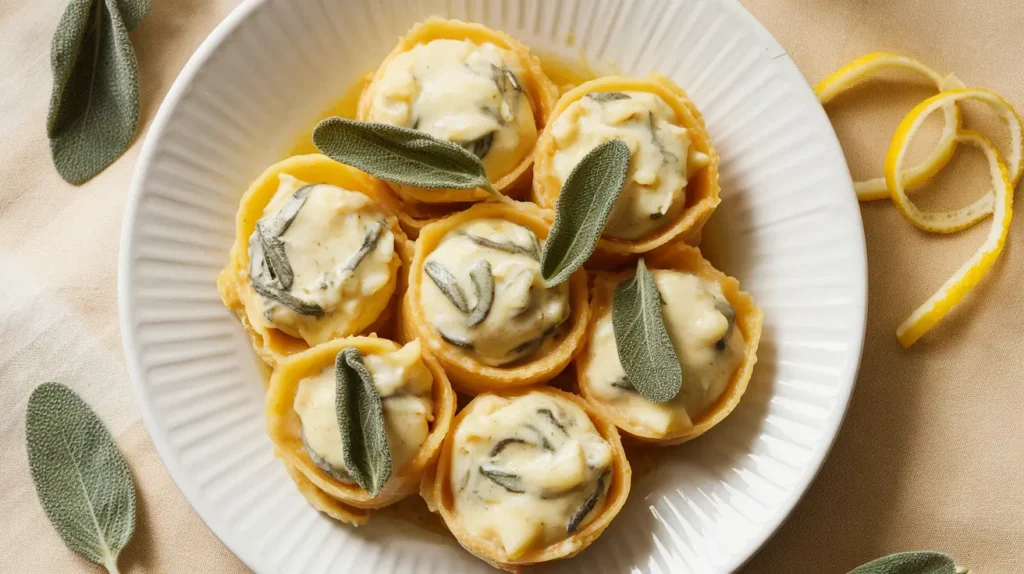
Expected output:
{"points": [[404, 385], [661, 157], [320, 255], [482, 291], [528, 472], [466, 93], [702, 326]]}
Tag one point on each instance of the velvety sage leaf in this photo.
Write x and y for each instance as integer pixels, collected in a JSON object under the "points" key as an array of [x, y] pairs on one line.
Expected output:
{"points": [[909, 563], [133, 11], [583, 206], [400, 155], [643, 344], [94, 106], [80, 476], [361, 420]]}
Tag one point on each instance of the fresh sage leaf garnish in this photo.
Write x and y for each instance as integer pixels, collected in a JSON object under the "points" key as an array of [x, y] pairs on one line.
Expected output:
{"points": [[361, 420], [401, 155], [94, 104], [644, 347], [909, 563], [581, 513], [607, 96], [80, 476], [483, 283], [445, 281], [583, 206]]}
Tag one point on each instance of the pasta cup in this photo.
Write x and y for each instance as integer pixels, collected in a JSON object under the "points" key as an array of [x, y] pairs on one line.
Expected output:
{"points": [[530, 81], [684, 217], [470, 371], [449, 489], [376, 311], [669, 423], [344, 499]]}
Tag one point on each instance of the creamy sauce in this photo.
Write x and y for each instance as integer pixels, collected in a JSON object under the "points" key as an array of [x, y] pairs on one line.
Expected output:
{"points": [[523, 317], [462, 92], [701, 324], [528, 472], [404, 385], [660, 160], [333, 276]]}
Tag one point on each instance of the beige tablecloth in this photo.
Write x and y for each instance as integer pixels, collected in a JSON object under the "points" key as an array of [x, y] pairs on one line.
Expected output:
{"points": [[932, 450]]}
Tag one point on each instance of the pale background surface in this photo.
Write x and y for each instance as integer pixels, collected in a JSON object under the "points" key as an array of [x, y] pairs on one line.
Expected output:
{"points": [[932, 449]]}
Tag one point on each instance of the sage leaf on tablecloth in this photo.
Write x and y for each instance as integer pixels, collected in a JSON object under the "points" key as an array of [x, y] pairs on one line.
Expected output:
{"points": [[80, 476], [909, 563], [584, 203], [94, 105], [644, 347], [361, 420], [401, 155]]}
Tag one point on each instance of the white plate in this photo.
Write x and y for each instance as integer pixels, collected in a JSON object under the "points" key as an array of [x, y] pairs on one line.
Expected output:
{"points": [[788, 227]]}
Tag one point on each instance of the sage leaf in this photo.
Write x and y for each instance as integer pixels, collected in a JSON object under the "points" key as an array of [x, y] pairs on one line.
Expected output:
{"points": [[909, 563], [80, 476], [361, 421], [370, 241], [505, 443], [583, 206], [533, 252], [507, 480], [456, 341], [643, 344], [607, 96], [480, 146], [328, 468], [445, 281], [581, 513], [401, 155], [94, 104], [483, 283]]}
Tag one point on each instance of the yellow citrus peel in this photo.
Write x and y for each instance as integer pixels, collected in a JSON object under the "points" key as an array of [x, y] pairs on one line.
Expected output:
{"points": [[864, 68], [957, 219], [970, 273], [898, 180]]}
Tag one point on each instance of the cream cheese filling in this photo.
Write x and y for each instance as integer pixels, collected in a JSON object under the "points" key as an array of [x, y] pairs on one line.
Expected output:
{"points": [[701, 325], [529, 471], [482, 291], [661, 157], [466, 93], [404, 385], [339, 248]]}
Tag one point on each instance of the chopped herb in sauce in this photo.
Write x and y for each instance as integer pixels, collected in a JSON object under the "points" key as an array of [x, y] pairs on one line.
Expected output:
{"points": [[506, 480], [445, 281], [483, 283], [607, 96], [581, 514]]}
